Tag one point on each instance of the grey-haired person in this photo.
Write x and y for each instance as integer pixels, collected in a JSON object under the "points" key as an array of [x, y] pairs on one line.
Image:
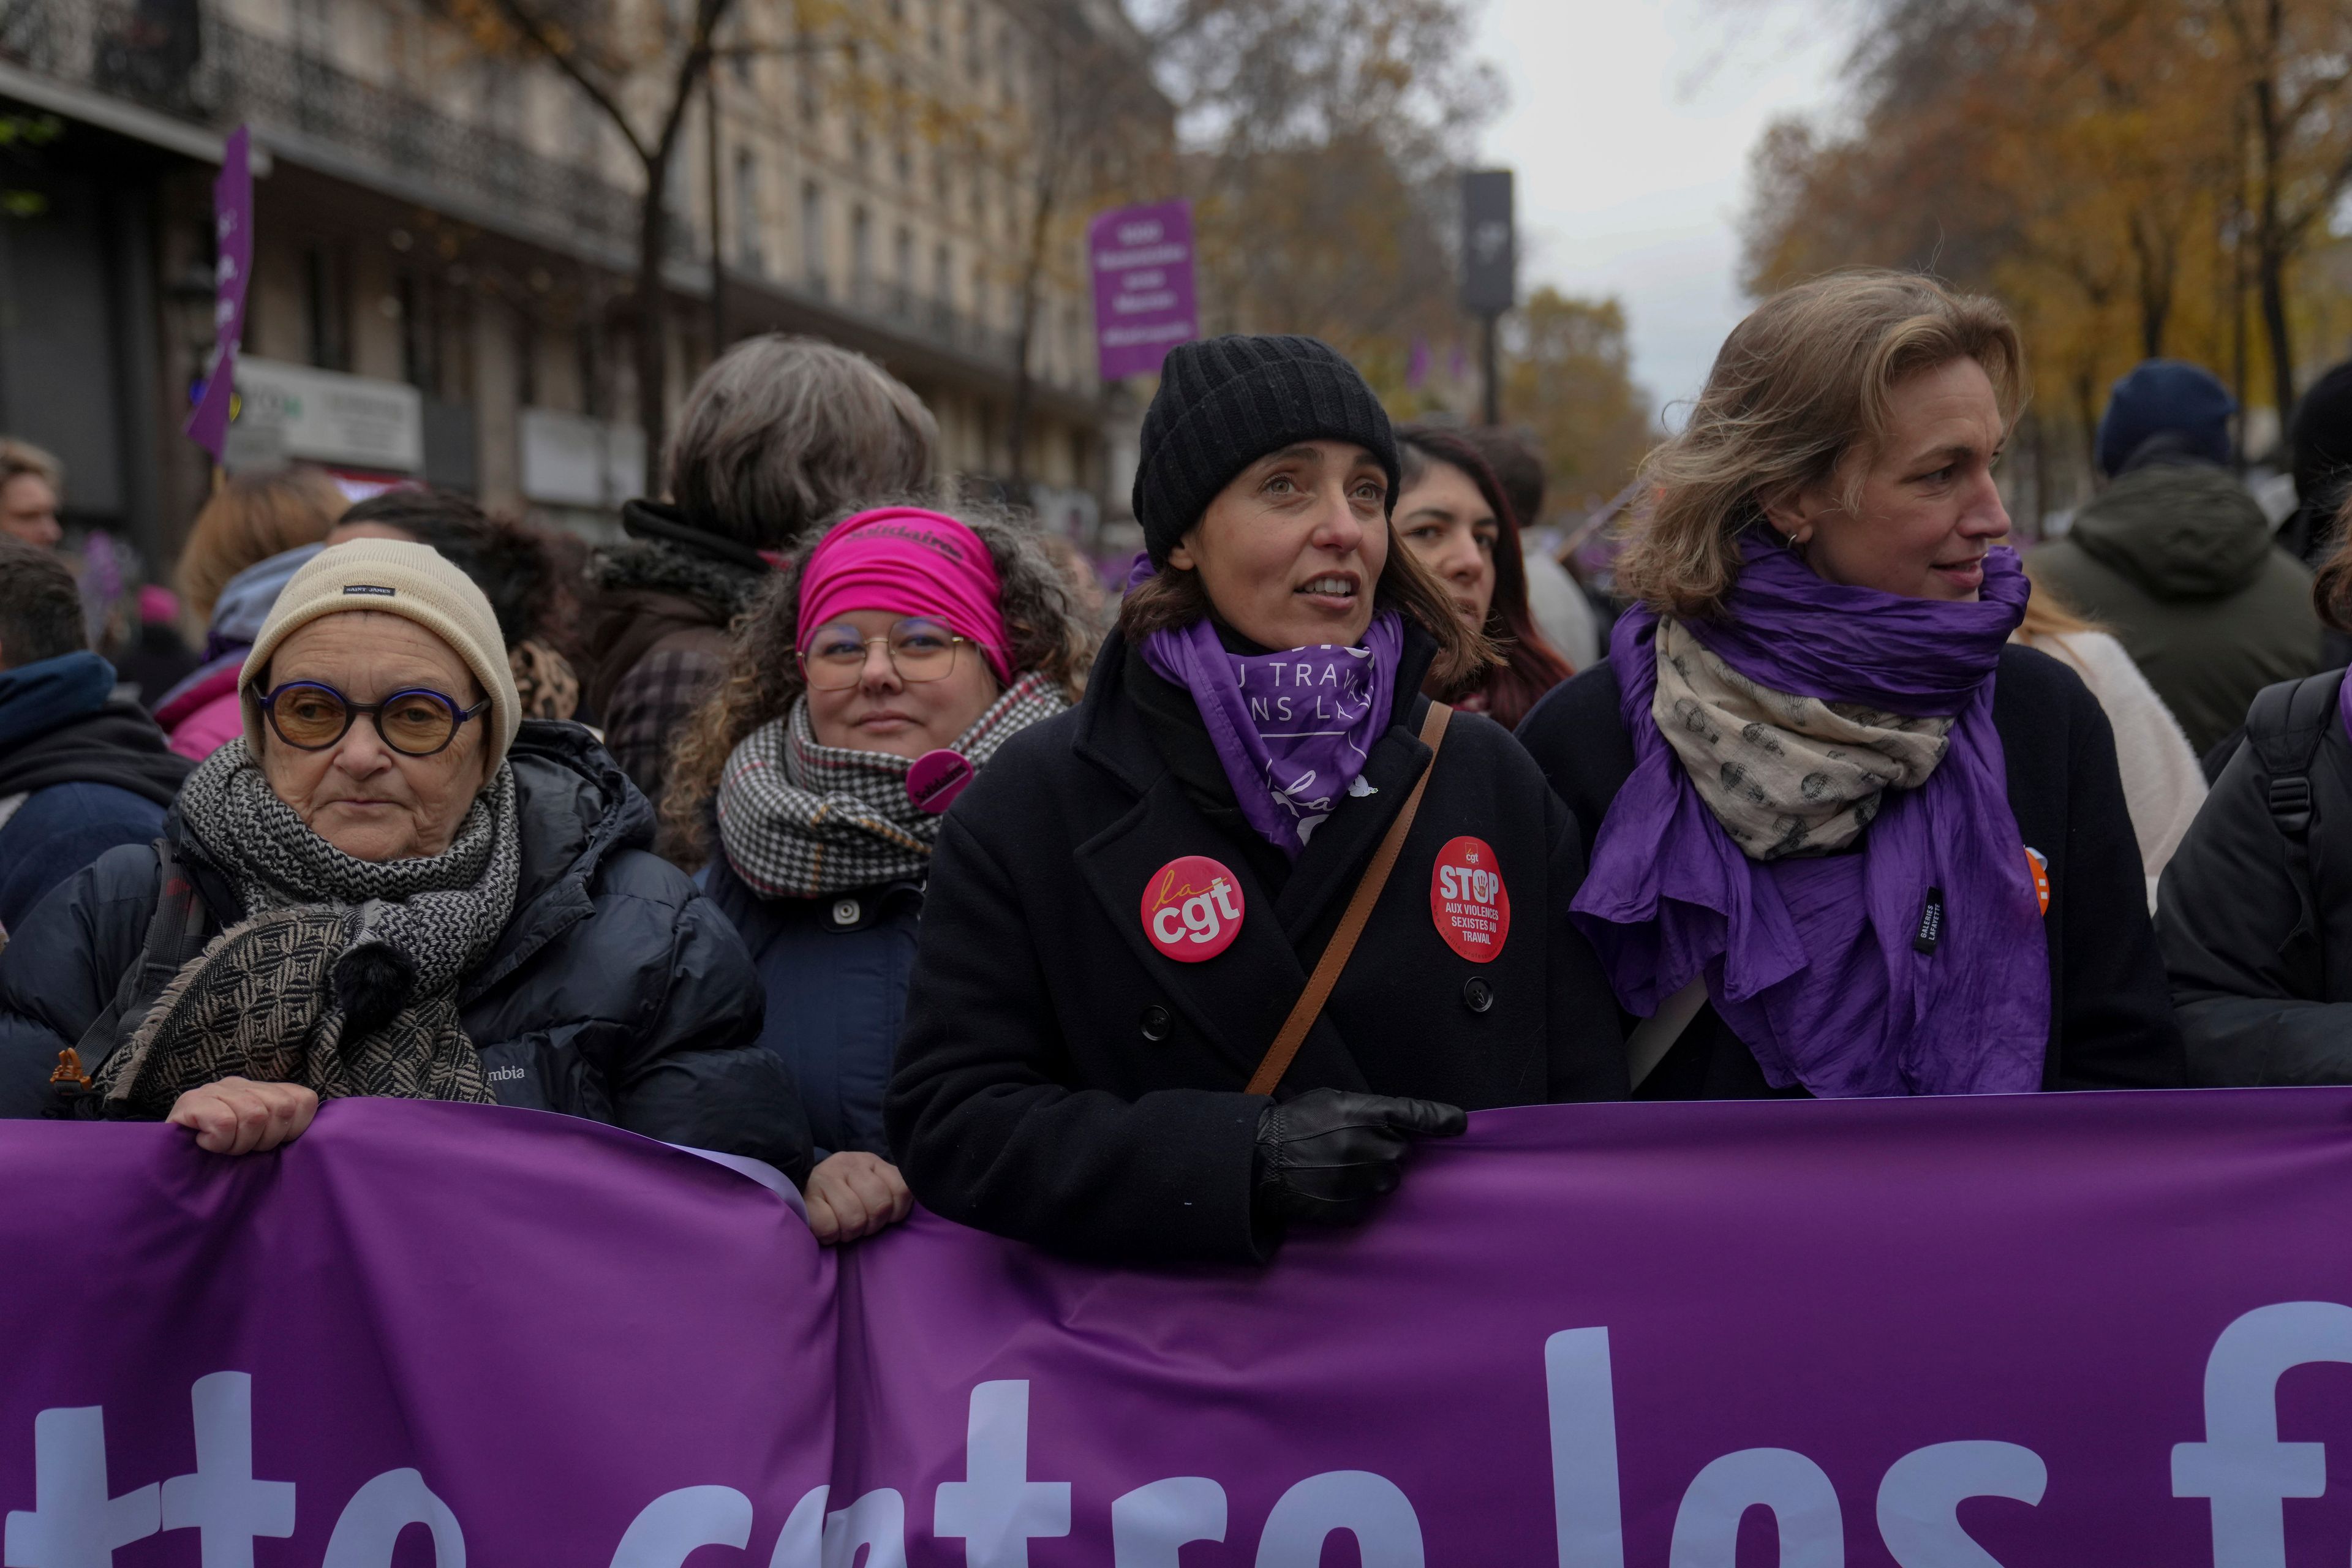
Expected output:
{"points": [[779, 435]]}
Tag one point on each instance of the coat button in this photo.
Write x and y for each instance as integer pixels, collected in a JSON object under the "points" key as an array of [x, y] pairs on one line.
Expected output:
{"points": [[1476, 995], [1155, 1023], [845, 912]]}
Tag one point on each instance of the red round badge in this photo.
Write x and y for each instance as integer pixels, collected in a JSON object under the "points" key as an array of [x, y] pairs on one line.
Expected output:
{"points": [[1193, 909], [1467, 900]]}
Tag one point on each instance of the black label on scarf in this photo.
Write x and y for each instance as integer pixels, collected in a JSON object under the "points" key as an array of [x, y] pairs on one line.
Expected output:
{"points": [[1931, 923]]}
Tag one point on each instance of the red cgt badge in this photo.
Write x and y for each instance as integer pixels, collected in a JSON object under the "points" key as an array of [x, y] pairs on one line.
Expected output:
{"points": [[1467, 900], [1193, 909]]}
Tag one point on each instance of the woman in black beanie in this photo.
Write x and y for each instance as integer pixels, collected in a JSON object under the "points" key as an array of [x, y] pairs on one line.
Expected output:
{"points": [[1204, 955]]}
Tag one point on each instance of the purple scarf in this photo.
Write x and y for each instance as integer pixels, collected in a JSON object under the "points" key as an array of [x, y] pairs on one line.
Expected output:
{"points": [[1292, 729], [1816, 963]]}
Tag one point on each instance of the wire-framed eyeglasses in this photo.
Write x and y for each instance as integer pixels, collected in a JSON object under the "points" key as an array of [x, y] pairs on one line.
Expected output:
{"points": [[919, 650]]}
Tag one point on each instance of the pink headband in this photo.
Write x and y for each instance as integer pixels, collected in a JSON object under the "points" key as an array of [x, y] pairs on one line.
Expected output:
{"points": [[908, 562]]}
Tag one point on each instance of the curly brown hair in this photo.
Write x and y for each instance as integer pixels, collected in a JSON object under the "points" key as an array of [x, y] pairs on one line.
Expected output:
{"points": [[2331, 585], [1047, 634]]}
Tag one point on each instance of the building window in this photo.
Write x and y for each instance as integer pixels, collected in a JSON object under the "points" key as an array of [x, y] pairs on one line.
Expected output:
{"points": [[902, 156], [326, 308], [939, 32], [980, 296], [812, 233], [589, 361], [747, 212], [942, 278], [526, 360], [861, 251], [902, 266], [973, 62]]}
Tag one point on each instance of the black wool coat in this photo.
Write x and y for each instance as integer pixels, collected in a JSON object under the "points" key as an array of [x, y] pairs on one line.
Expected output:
{"points": [[1062, 1082], [615, 993], [2110, 1023], [2256, 927]]}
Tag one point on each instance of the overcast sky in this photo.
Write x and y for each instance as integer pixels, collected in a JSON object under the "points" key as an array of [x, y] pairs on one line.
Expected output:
{"points": [[1629, 123]]}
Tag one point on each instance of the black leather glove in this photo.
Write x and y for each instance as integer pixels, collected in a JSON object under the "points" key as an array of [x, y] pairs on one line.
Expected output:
{"points": [[1326, 1155]]}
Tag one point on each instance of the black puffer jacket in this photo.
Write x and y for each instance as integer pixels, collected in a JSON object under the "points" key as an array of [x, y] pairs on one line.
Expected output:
{"points": [[2254, 912], [616, 992]]}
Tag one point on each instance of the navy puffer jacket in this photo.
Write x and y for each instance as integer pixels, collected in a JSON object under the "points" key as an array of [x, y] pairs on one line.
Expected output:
{"points": [[616, 992], [835, 970]]}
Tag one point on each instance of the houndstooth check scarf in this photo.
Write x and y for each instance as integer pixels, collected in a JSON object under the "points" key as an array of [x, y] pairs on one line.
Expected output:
{"points": [[343, 975], [797, 819], [1785, 775]]}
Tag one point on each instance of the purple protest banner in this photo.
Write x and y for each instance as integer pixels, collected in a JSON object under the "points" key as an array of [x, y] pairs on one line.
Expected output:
{"points": [[2028, 1331], [1142, 257], [233, 243]]}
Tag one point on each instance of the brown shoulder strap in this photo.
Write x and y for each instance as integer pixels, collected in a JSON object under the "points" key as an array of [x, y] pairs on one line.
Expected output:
{"points": [[1309, 1006]]}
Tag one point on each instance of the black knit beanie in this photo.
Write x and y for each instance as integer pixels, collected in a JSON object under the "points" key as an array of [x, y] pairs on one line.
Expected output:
{"points": [[1224, 403]]}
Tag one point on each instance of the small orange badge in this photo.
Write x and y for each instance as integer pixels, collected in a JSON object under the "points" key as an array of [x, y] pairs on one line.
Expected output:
{"points": [[2039, 864]]}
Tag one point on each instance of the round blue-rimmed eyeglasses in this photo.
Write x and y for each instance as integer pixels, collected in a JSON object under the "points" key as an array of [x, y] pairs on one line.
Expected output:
{"points": [[311, 716]]}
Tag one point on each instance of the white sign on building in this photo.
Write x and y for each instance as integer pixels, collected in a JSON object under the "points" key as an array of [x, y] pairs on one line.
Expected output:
{"points": [[326, 416], [570, 459]]}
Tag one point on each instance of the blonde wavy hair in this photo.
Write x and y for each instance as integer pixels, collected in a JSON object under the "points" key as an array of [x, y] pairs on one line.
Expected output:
{"points": [[1799, 397], [1048, 635]]}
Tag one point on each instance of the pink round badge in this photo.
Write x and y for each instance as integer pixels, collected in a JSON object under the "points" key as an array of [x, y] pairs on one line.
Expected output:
{"points": [[1467, 900], [936, 778], [1193, 909]]}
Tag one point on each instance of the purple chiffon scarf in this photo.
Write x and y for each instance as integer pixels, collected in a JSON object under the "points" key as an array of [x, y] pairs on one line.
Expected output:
{"points": [[1822, 967], [1292, 728]]}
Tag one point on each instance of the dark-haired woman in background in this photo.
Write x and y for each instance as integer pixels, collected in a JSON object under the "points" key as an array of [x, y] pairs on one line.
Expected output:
{"points": [[1452, 513]]}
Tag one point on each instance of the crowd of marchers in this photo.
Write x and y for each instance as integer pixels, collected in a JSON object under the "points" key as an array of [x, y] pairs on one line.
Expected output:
{"points": [[835, 822]]}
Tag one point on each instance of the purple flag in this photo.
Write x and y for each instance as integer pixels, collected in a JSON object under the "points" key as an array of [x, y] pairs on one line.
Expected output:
{"points": [[1142, 258], [233, 242], [2035, 1331], [1416, 365]]}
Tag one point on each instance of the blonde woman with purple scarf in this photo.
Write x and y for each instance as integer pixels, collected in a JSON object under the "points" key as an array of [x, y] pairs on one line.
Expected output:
{"points": [[1846, 839], [1205, 956]]}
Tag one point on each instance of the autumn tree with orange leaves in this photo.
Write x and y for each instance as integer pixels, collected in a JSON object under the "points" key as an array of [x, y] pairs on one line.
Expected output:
{"points": [[2132, 177]]}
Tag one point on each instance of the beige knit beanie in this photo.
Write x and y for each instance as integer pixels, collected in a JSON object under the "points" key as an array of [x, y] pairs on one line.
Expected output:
{"points": [[393, 577]]}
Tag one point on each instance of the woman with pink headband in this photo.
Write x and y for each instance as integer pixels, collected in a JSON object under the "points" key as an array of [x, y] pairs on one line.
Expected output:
{"points": [[870, 682]]}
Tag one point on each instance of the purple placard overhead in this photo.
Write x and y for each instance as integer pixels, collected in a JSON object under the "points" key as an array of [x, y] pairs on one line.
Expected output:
{"points": [[1142, 258], [233, 241]]}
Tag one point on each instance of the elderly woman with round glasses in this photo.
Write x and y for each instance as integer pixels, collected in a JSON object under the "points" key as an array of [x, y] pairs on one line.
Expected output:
{"points": [[873, 678], [392, 886]]}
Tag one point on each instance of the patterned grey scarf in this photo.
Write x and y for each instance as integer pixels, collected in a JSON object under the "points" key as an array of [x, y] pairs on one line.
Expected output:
{"points": [[343, 975], [798, 820], [1785, 775]]}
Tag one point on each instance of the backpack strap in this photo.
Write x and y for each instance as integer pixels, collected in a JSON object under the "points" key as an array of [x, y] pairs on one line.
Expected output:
{"points": [[176, 933], [2285, 727]]}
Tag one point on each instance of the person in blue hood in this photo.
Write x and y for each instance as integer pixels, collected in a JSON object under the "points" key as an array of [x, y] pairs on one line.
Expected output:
{"points": [[81, 769]]}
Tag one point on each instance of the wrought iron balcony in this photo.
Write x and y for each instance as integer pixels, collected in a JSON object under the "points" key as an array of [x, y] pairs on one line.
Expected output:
{"points": [[177, 57], [174, 57]]}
